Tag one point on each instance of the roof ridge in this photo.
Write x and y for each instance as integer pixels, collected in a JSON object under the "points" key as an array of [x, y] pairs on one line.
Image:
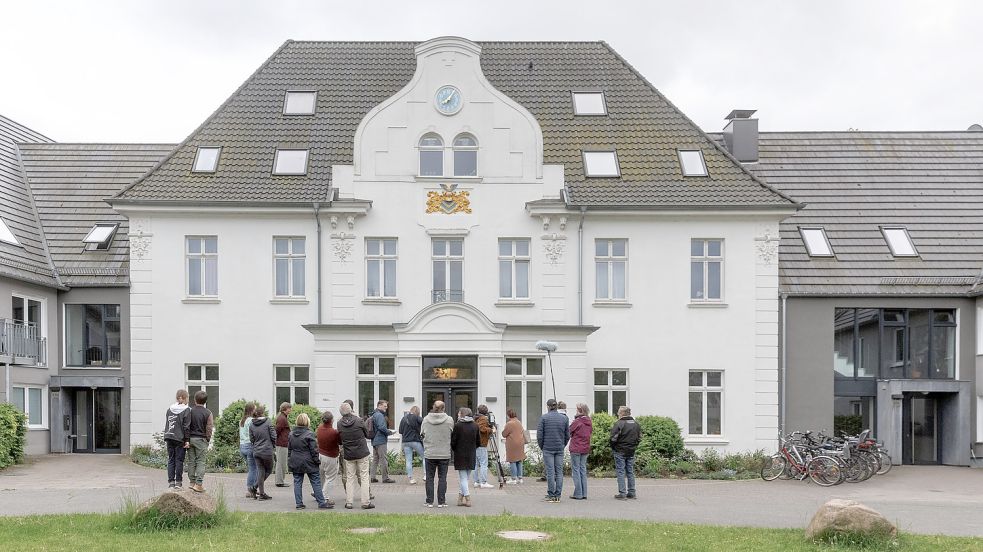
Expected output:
{"points": [[24, 128], [209, 119], [53, 144]]}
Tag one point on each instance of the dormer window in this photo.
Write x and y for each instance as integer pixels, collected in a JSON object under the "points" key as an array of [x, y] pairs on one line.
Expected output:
{"points": [[290, 162], [899, 241], [465, 155], [692, 163], [101, 236], [816, 242], [206, 159], [6, 235], [431, 155], [589, 103], [299, 103], [601, 164]]}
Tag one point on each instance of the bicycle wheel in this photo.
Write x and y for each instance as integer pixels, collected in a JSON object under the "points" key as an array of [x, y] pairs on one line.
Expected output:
{"points": [[885, 462], [774, 467], [854, 470], [824, 471], [872, 464]]}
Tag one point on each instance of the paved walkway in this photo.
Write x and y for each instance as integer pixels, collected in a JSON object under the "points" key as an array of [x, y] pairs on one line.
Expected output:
{"points": [[920, 499]]}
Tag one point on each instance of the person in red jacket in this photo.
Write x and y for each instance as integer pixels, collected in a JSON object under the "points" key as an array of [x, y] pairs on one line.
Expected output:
{"points": [[282, 427], [580, 431]]}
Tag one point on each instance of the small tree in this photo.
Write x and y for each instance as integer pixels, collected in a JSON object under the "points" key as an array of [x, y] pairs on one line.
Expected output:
{"points": [[311, 411], [227, 425]]}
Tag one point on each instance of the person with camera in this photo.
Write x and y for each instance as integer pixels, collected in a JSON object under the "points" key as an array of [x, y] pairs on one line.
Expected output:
{"points": [[485, 428]]}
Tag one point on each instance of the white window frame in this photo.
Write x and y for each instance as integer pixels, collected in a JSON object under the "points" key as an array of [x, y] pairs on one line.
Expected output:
{"points": [[290, 257], [381, 259], [27, 404], [293, 383], [218, 155], [447, 259], [6, 234], [705, 261], [610, 259], [419, 155], [375, 377], [42, 311], [704, 389], [604, 103], [202, 256], [512, 259], [276, 160], [610, 388], [887, 232], [203, 383], [286, 101], [524, 378], [92, 244], [590, 174], [805, 231], [456, 148], [703, 164]]}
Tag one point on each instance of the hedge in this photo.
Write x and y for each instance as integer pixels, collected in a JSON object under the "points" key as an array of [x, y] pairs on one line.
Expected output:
{"points": [[227, 425], [13, 435], [661, 437]]}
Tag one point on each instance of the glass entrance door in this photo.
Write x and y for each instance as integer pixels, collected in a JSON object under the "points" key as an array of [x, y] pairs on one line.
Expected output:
{"points": [[922, 431], [82, 420], [96, 419], [452, 379], [454, 397]]}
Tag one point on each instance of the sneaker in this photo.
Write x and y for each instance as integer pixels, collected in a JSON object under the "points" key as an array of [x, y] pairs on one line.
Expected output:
{"points": [[170, 484], [428, 504], [281, 484], [348, 506], [412, 481], [329, 501], [325, 506], [542, 478], [620, 496], [390, 480], [441, 505], [512, 482], [521, 481], [547, 498], [631, 496], [264, 496], [368, 506], [556, 500], [301, 506], [374, 480], [486, 486], [197, 488]]}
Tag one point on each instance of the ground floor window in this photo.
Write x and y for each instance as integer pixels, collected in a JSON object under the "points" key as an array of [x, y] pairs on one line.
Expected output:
{"points": [[524, 389], [376, 382], [610, 390], [204, 377], [852, 415], [292, 384], [706, 390], [31, 401]]}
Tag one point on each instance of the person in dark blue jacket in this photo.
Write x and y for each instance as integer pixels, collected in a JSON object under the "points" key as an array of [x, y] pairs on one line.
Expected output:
{"points": [[380, 439], [553, 434]]}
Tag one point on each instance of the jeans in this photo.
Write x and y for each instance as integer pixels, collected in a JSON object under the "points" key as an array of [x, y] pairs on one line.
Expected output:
{"points": [[379, 458], [554, 473], [328, 471], [246, 450], [625, 466], [437, 468], [280, 467], [196, 460], [464, 476], [578, 466], [264, 467], [357, 470], [299, 488], [408, 449], [481, 465], [175, 461], [516, 468]]}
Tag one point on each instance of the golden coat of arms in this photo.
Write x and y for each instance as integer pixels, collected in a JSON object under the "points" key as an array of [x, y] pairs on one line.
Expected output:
{"points": [[449, 201]]}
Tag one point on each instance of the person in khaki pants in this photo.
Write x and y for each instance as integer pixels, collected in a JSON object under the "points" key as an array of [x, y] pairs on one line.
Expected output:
{"points": [[357, 457]]}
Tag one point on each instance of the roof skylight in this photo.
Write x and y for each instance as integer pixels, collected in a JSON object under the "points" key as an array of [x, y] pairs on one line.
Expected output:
{"points": [[6, 235], [817, 244], [692, 163], [206, 159], [601, 163], [290, 161], [899, 241], [589, 103], [101, 235], [299, 103]]}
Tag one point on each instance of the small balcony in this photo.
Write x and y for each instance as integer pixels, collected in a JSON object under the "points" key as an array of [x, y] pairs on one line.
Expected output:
{"points": [[445, 295], [22, 344]]}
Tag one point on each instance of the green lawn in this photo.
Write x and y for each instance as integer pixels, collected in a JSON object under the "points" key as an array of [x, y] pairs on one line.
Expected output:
{"points": [[430, 531]]}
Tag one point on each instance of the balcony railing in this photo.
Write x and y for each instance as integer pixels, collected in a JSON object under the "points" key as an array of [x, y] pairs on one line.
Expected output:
{"points": [[444, 295], [23, 343]]}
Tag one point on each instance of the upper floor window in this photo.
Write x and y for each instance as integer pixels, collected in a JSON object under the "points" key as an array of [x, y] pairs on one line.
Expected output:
{"points": [[206, 159], [6, 235], [601, 163], [706, 270], [465, 155], [289, 262], [92, 335], [380, 267], [816, 242], [589, 103], [201, 257], [290, 162], [431, 155], [513, 268], [448, 270], [692, 163], [611, 264], [299, 103], [906, 343], [899, 241], [101, 236]]}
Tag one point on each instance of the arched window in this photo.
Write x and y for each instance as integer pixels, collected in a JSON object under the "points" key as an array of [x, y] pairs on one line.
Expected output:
{"points": [[465, 155], [431, 155]]}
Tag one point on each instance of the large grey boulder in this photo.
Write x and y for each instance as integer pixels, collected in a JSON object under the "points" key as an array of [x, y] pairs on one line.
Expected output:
{"points": [[849, 517], [185, 503]]}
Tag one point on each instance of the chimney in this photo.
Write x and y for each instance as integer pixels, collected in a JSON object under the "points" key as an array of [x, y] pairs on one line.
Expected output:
{"points": [[741, 135]]}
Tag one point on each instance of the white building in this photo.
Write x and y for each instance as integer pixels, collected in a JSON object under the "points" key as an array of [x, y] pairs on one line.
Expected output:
{"points": [[405, 221]]}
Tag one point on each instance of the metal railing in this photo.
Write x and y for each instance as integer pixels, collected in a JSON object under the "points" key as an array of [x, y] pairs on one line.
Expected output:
{"points": [[23, 342], [444, 295]]}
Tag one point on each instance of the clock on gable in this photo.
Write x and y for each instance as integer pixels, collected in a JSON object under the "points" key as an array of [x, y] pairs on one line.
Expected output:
{"points": [[448, 100]]}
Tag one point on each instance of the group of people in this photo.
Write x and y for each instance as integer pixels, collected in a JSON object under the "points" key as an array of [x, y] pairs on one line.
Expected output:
{"points": [[326, 454]]}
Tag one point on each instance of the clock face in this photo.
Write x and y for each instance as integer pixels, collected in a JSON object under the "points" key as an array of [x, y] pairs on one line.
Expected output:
{"points": [[448, 100]]}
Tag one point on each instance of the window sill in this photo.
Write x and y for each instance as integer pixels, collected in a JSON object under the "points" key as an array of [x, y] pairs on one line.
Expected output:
{"points": [[92, 368], [705, 440], [708, 305], [447, 178], [514, 303], [381, 301], [201, 300], [289, 301], [612, 304], [37, 428]]}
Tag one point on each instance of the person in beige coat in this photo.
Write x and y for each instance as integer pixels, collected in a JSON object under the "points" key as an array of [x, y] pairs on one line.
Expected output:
{"points": [[515, 445]]}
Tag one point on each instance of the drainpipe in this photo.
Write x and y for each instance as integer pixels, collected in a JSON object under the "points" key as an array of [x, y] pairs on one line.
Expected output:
{"points": [[317, 257], [782, 399], [580, 267]]}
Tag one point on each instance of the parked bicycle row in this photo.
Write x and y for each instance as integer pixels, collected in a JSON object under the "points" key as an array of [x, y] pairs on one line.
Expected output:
{"points": [[827, 460]]}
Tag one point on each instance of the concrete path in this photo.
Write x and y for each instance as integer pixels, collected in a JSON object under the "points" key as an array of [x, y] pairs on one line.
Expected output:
{"points": [[920, 499]]}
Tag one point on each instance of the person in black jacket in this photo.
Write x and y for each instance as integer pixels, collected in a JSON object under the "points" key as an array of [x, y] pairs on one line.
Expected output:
{"points": [[355, 451], [200, 429], [409, 430], [625, 436], [177, 436], [304, 460], [465, 439], [262, 436]]}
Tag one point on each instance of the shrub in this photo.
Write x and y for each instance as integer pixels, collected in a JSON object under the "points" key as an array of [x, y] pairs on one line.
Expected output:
{"points": [[711, 460], [851, 425], [601, 457], [13, 435], [683, 467], [311, 411], [662, 435], [227, 425]]}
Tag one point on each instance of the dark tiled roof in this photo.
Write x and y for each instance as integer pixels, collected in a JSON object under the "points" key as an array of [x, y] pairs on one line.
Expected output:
{"points": [[29, 261], [70, 183], [854, 182], [353, 77]]}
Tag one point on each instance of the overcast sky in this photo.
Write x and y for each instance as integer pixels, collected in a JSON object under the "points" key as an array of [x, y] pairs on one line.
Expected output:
{"points": [[142, 71]]}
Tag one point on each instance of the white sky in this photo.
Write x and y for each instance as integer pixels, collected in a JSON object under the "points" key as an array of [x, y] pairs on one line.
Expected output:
{"points": [[142, 71]]}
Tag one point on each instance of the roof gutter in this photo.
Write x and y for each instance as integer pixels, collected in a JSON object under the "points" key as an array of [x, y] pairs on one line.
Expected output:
{"points": [[317, 261], [580, 267]]}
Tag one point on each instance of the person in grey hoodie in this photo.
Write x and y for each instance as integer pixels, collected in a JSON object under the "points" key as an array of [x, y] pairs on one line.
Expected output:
{"points": [[262, 436], [436, 432], [177, 436]]}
